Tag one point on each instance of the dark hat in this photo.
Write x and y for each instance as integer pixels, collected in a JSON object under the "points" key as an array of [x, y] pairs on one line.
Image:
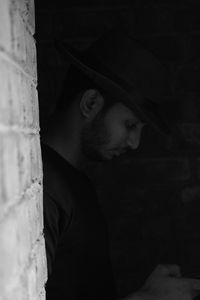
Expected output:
{"points": [[129, 72]]}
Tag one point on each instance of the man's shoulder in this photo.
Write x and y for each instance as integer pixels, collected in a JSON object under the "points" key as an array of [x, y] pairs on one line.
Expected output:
{"points": [[55, 178]]}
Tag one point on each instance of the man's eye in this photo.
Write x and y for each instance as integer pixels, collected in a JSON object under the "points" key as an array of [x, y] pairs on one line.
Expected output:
{"points": [[131, 125]]}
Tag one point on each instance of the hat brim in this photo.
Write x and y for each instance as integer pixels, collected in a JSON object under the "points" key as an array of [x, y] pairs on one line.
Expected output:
{"points": [[131, 99]]}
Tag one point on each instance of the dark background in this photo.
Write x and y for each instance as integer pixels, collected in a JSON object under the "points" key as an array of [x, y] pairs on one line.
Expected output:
{"points": [[151, 197]]}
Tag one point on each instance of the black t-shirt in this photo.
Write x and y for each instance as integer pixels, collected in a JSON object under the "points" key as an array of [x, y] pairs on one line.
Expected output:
{"points": [[79, 265]]}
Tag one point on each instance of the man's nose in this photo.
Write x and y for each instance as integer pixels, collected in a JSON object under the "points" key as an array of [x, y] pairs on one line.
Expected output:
{"points": [[133, 141]]}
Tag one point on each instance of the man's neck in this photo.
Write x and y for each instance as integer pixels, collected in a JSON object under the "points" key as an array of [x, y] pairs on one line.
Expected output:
{"points": [[68, 147]]}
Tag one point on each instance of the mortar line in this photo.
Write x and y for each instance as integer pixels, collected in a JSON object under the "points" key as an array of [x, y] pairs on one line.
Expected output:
{"points": [[17, 129], [34, 186]]}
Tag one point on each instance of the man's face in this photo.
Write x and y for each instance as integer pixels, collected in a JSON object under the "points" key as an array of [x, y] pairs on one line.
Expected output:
{"points": [[111, 133]]}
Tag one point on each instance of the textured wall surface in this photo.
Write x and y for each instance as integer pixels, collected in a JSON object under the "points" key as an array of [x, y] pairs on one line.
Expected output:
{"points": [[22, 255]]}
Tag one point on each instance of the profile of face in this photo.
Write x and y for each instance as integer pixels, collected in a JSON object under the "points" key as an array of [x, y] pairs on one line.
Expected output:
{"points": [[111, 133]]}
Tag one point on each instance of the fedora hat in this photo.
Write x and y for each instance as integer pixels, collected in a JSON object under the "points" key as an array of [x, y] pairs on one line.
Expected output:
{"points": [[125, 69]]}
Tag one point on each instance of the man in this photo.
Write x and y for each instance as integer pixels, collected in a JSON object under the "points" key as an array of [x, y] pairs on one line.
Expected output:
{"points": [[107, 99]]}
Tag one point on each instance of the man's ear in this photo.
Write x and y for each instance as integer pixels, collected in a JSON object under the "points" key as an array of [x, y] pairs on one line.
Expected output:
{"points": [[91, 103]]}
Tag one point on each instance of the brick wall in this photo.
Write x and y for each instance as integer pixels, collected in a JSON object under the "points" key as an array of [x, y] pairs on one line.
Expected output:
{"points": [[22, 255], [151, 197]]}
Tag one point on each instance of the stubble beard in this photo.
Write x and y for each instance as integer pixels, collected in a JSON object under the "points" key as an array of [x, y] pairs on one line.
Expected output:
{"points": [[94, 138]]}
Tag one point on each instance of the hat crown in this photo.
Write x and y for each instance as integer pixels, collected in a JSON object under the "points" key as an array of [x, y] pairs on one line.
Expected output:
{"points": [[128, 61]]}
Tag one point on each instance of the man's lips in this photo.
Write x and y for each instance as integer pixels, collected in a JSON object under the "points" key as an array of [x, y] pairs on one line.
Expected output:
{"points": [[118, 152]]}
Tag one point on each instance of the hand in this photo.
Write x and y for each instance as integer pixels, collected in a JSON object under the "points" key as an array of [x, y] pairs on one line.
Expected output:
{"points": [[166, 283]]}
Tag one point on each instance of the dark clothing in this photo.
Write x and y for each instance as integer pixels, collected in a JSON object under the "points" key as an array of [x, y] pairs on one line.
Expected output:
{"points": [[78, 260]]}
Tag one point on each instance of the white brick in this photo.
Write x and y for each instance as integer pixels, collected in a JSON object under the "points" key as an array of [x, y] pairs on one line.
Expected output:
{"points": [[39, 153], [24, 162], [42, 295], [8, 242], [18, 97], [35, 212], [27, 11], [35, 158], [35, 107], [9, 171], [17, 290], [23, 229], [14, 248], [30, 58], [16, 234], [29, 222], [37, 273], [16, 28], [20, 165], [23, 44], [30, 166], [5, 25], [5, 99], [18, 35], [31, 15], [2, 187], [29, 284], [16, 40]]}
